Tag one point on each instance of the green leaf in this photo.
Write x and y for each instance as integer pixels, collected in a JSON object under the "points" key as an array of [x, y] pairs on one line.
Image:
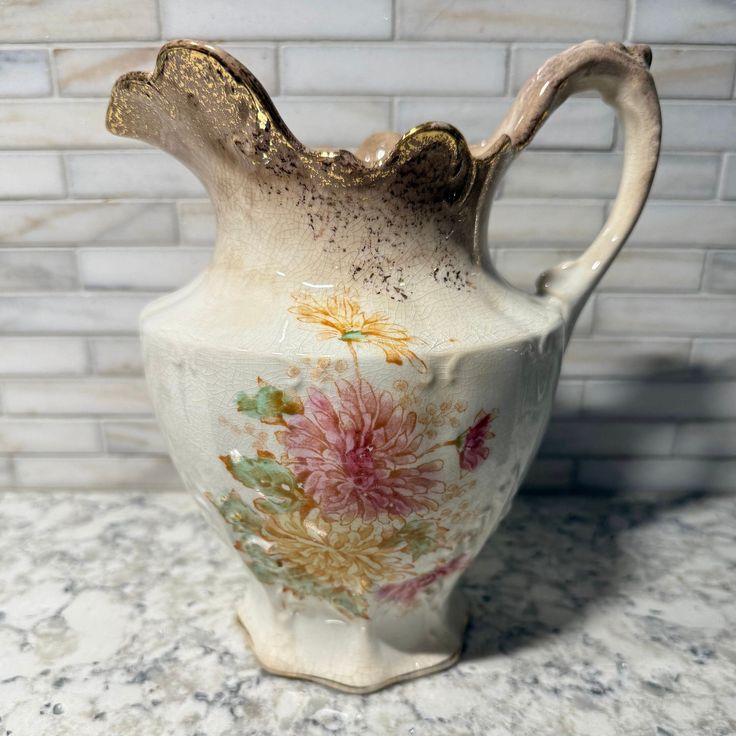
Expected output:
{"points": [[237, 513], [269, 404], [418, 536], [352, 336], [267, 476]]}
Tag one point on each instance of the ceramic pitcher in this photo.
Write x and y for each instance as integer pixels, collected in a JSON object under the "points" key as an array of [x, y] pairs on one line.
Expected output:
{"points": [[350, 390]]}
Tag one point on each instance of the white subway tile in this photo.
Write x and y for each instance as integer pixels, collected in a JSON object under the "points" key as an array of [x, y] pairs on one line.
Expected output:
{"points": [[729, 177], [97, 222], [568, 399], [581, 438], [709, 21], [277, 19], [72, 313], [96, 473], [510, 20], [27, 356], [141, 269], [7, 477], [663, 316], [579, 123], [683, 127], [134, 436], [660, 399], [37, 269], [133, 174], [394, 69], [602, 357], [526, 59], [709, 439], [49, 435], [78, 20], [117, 356], [686, 223], [637, 477], [91, 72], [57, 124], [539, 223], [720, 272], [714, 357], [24, 73], [333, 122], [76, 396], [693, 72], [585, 174], [550, 474], [31, 176], [633, 270], [197, 222]]}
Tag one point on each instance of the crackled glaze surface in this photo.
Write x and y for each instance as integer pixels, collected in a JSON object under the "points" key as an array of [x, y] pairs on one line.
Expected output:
{"points": [[349, 390], [588, 616]]}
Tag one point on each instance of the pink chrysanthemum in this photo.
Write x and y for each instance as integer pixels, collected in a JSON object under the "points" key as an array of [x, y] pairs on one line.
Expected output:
{"points": [[406, 591], [471, 443], [358, 457]]}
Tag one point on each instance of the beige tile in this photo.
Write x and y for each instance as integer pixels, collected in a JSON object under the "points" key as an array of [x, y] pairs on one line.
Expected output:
{"points": [[141, 269], [28, 356], [91, 72], [78, 20], [31, 176], [541, 223], [579, 123], [73, 396], [133, 436], [686, 223], [716, 357], [277, 19], [693, 72], [24, 73], [708, 439], [665, 316], [585, 174], [610, 438], [633, 270], [37, 269], [97, 473], [509, 20], [72, 314], [96, 222], [636, 477], [600, 357], [37, 436], [393, 69], [660, 399], [710, 21], [116, 356], [56, 124], [720, 273]]}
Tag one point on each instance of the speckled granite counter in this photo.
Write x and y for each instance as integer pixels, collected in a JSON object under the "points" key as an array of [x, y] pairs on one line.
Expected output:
{"points": [[590, 617]]}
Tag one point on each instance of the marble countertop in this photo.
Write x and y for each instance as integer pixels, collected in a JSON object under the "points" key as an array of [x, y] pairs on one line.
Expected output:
{"points": [[590, 616]]}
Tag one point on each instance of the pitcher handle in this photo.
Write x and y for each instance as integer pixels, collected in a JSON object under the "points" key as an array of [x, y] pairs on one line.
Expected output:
{"points": [[620, 74]]}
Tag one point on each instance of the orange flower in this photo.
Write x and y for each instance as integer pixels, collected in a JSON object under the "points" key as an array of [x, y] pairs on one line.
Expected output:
{"points": [[341, 317]]}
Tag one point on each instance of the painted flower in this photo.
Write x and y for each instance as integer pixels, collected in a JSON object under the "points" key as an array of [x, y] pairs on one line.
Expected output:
{"points": [[353, 559], [359, 457], [407, 590], [471, 443], [341, 317]]}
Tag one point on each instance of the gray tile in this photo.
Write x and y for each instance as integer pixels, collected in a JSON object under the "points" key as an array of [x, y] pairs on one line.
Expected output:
{"points": [[714, 357], [21, 356], [31, 176], [134, 436], [720, 272], [710, 21], [36, 436], [709, 439], [609, 438], [37, 269]]}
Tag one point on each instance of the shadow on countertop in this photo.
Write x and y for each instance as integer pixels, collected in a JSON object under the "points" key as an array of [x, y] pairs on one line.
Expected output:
{"points": [[557, 554]]}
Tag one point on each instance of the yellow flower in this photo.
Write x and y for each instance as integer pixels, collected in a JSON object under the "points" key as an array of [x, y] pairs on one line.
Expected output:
{"points": [[338, 557], [341, 317]]}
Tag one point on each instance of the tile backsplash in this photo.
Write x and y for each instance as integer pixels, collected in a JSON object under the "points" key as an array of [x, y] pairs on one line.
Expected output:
{"points": [[92, 226]]}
